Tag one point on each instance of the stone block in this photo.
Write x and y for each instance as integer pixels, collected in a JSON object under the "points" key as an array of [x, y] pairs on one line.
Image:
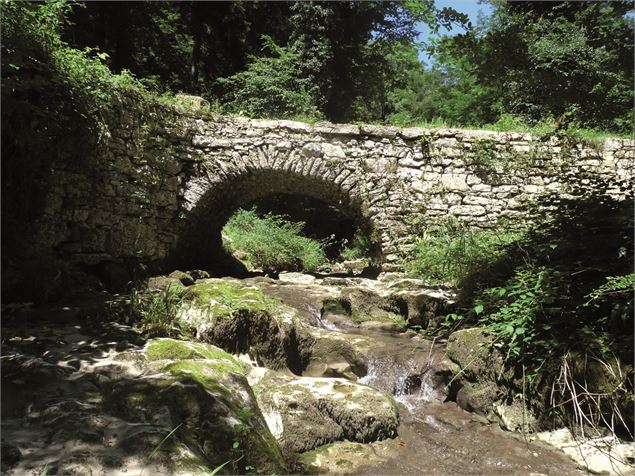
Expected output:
{"points": [[467, 210], [388, 132]]}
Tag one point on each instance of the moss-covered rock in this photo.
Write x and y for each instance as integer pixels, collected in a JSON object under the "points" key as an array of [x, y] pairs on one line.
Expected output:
{"points": [[423, 306], [225, 298], [242, 319], [185, 278], [305, 412], [478, 397], [159, 283], [479, 370], [172, 349], [367, 304], [204, 393], [198, 274], [515, 416], [471, 350], [365, 307]]}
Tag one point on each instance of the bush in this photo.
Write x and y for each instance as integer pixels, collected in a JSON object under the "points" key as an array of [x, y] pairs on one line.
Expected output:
{"points": [[554, 298], [153, 312], [272, 243], [450, 252]]}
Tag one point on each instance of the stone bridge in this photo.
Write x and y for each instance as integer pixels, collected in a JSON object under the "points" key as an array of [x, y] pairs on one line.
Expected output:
{"points": [[161, 182]]}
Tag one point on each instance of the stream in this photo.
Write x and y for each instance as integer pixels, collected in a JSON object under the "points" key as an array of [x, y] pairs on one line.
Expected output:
{"points": [[55, 414], [435, 436]]}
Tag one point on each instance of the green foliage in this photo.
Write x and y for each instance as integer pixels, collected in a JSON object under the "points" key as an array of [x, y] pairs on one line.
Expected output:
{"points": [[450, 252], [517, 313], [570, 63], [563, 288], [272, 243], [51, 94], [614, 285], [271, 86], [32, 46], [555, 60], [361, 246], [154, 313]]}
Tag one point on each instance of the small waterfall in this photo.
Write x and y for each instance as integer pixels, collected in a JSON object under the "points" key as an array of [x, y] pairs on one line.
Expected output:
{"points": [[321, 322], [404, 381]]}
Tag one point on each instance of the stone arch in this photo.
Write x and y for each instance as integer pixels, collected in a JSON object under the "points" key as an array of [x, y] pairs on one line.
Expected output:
{"points": [[223, 186]]}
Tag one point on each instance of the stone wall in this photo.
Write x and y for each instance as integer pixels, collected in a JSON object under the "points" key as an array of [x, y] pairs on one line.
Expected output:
{"points": [[162, 182]]}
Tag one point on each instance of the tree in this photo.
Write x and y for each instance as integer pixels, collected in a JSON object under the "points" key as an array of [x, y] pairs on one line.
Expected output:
{"points": [[567, 60], [272, 86]]}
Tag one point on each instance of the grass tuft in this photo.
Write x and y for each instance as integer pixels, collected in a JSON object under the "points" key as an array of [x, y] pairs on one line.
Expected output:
{"points": [[272, 243]]}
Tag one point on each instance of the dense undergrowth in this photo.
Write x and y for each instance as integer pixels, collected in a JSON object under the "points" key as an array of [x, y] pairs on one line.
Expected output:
{"points": [[556, 296], [272, 243]]}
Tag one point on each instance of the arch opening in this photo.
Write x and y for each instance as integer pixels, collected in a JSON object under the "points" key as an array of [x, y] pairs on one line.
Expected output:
{"points": [[331, 215]]}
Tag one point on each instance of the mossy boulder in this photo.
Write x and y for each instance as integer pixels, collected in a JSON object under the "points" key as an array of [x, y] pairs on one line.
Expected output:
{"points": [[203, 393], [242, 319], [305, 412], [423, 306], [159, 283], [224, 298], [366, 304], [365, 307], [516, 416], [172, 349], [471, 350], [478, 397], [479, 370]]}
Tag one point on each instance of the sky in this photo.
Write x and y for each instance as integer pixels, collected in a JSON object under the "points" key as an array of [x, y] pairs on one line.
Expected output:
{"points": [[469, 7]]}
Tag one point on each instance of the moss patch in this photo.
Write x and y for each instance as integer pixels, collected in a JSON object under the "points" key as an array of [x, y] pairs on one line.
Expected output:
{"points": [[379, 315], [171, 349], [207, 372], [224, 299]]}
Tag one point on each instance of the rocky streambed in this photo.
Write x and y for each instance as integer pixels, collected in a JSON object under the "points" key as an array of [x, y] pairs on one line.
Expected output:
{"points": [[294, 375]]}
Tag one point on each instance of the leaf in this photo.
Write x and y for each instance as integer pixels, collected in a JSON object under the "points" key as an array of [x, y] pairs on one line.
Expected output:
{"points": [[218, 468], [478, 308]]}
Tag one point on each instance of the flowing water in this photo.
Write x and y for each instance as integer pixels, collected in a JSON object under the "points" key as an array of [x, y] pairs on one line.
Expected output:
{"points": [[435, 436]]}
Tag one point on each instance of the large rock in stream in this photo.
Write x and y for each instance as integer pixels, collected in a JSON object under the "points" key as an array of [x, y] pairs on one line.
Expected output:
{"points": [[241, 319], [73, 404], [479, 368], [306, 412], [205, 394]]}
